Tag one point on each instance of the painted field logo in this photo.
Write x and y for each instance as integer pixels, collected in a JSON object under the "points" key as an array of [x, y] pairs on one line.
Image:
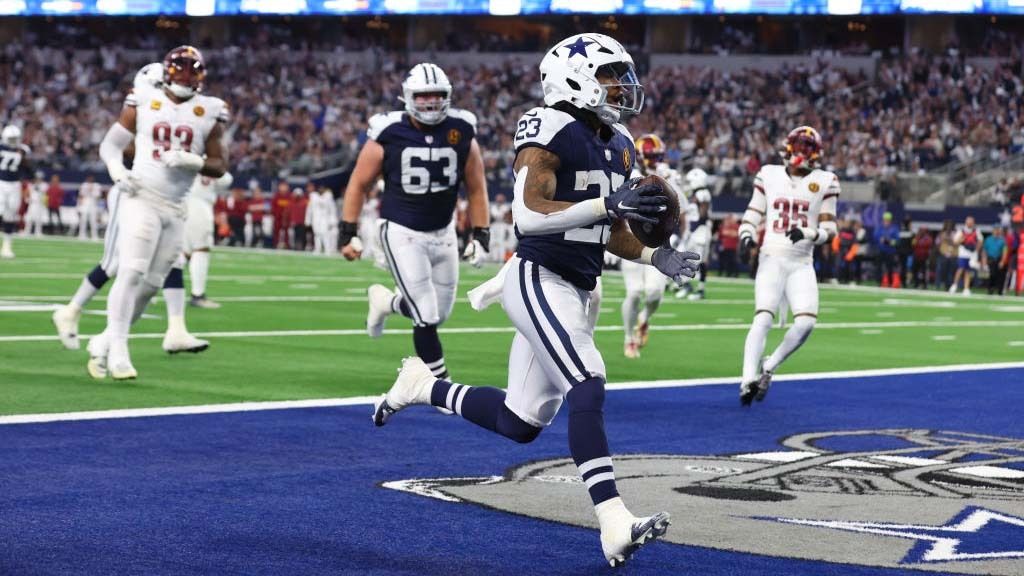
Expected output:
{"points": [[922, 499]]}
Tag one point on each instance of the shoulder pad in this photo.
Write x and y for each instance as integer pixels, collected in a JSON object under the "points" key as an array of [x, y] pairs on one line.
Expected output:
{"points": [[624, 131], [539, 126], [379, 122], [464, 115]]}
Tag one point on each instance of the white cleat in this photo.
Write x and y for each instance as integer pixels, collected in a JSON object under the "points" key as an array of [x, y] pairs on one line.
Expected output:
{"points": [[65, 319], [413, 386], [123, 370], [631, 350], [967, 291], [98, 348], [379, 299], [621, 541], [6, 253], [203, 302], [175, 342]]}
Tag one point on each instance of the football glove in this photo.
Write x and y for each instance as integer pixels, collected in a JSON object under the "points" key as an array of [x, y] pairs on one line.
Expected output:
{"points": [[182, 159], [635, 201], [346, 232], [477, 248], [676, 265], [795, 234]]}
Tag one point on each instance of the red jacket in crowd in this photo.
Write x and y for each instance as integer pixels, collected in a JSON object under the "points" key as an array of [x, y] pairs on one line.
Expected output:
{"points": [[297, 210], [729, 234], [54, 196]]}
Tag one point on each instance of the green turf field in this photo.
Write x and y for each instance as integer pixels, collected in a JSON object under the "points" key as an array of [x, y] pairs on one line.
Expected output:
{"points": [[291, 328]]}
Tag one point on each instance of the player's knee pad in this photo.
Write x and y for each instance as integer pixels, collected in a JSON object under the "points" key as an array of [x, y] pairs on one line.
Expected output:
{"points": [[515, 428], [804, 325], [587, 396], [98, 277], [763, 319], [175, 278]]}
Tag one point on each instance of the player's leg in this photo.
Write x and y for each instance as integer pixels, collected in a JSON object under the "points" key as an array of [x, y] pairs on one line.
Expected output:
{"points": [[802, 294], [551, 315], [654, 291], [633, 279], [10, 200], [139, 235], [769, 286], [198, 242], [172, 277]]}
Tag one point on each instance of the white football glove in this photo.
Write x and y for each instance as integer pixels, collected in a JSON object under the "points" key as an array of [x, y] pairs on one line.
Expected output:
{"points": [[182, 159], [474, 253]]}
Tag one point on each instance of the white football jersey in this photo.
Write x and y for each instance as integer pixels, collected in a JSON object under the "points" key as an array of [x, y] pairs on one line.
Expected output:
{"points": [[162, 125], [207, 189], [787, 201]]}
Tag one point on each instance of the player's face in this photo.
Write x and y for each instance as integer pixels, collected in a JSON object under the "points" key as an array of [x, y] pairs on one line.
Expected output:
{"points": [[429, 101], [613, 86]]}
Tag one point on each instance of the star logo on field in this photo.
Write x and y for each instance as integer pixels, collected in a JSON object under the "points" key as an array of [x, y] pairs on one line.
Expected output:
{"points": [[973, 534], [578, 47]]}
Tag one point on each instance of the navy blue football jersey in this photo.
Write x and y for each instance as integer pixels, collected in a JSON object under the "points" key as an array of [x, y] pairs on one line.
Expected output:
{"points": [[13, 162], [423, 169], [590, 168]]}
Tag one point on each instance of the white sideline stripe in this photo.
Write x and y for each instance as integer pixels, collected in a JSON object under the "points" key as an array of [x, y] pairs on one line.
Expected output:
{"points": [[369, 400], [510, 329]]}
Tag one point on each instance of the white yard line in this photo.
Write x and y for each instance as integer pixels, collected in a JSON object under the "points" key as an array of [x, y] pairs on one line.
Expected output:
{"points": [[510, 329], [367, 400]]}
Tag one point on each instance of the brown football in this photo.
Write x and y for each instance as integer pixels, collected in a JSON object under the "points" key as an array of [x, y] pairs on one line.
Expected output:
{"points": [[658, 234]]}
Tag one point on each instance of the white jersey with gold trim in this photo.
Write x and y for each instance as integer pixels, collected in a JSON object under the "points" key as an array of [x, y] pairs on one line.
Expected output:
{"points": [[163, 125], [787, 201]]}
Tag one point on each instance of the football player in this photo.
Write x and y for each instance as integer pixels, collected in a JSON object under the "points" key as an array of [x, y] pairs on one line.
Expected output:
{"points": [[424, 153], [148, 80], [572, 192], [14, 168], [199, 233], [177, 133], [645, 286], [797, 202], [89, 194], [699, 237]]}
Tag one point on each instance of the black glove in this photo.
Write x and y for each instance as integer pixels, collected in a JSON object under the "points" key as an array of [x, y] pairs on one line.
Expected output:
{"points": [[795, 234], [676, 265], [633, 201], [483, 236], [346, 232]]}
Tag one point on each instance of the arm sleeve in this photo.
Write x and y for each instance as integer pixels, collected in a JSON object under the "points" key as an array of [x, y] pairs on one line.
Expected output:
{"points": [[831, 198], [532, 223], [112, 151], [754, 214]]}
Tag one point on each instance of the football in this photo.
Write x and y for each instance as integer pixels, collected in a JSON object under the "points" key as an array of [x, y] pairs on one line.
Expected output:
{"points": [[658, 234]]}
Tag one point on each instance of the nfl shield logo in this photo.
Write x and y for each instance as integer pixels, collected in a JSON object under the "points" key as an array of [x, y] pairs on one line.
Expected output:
{"points": [[429, 139]]}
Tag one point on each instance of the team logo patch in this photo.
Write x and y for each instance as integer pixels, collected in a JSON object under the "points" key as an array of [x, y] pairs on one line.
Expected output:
{"points": [[155, 104], [813, 187], [627, 160], [199, 111], [454, 136], [940, 501]]}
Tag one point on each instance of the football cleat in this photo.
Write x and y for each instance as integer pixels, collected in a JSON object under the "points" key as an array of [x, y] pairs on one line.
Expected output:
{"points": [[6, 253], [698, 295], [65, 319], [619, 543], [642, 333], [98, 348], [175, 342], [763, 384], [684, 291], [413, 386], [379, 299], [749, 391], [203, 302], [631, 350], [123, 370]]}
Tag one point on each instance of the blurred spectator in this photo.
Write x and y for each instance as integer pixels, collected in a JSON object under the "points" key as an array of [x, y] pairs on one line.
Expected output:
{"points": [[995, 255], [846, 251], [968, 240], [238, 207], [946, 263], [257, 209], [54, 200], [887, 235], [280, 211], [904, 252], [297, 218], [89, 195], [922, 244], [728, 241], [35, 214]]}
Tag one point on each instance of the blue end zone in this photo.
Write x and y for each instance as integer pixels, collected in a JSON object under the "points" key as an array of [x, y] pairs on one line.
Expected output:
{"points": [[297, 491]]}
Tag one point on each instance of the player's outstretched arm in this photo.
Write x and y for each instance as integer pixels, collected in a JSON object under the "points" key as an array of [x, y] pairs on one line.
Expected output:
{"points": [[364, 174]]}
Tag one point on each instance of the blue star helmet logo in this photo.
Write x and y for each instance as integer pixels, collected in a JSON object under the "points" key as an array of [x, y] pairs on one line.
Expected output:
{"points": [[578, 47]]}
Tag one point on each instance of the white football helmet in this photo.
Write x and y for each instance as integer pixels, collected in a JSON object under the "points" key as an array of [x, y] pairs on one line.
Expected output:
{"points": [[427, 78], [11, 135], [149, 76], [696, 179], [569, 73]]}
